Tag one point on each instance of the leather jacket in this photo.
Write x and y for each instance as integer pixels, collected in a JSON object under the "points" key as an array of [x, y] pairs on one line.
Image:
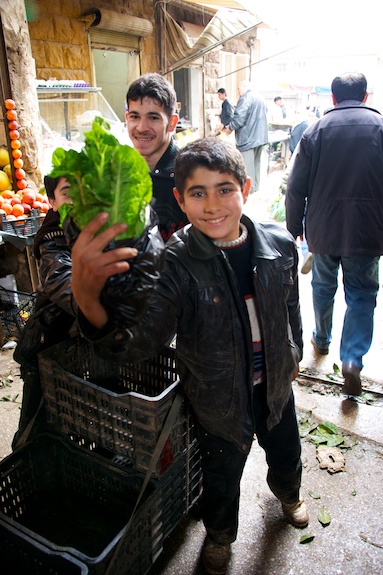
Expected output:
{"points": [[53, 317], [198, 298]]}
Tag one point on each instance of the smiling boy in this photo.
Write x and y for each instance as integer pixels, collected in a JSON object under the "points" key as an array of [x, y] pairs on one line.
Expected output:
{"points": [[228, 289]]}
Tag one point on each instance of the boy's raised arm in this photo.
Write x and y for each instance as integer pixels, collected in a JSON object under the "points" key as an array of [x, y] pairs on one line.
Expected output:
{"points": [[92, 266]]}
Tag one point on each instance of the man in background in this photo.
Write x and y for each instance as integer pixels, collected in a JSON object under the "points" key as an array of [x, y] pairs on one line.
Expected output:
{"points": [[251, 130], [227, 109], [338, 170], [151, 120]]}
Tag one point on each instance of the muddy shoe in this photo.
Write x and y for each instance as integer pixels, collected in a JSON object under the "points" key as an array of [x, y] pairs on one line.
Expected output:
{"points": [[215, 558], [296, 513]]}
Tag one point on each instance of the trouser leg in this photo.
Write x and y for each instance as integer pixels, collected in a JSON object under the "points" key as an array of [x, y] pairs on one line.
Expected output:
{"points": [[324, 285], [361, 284], [222, 468], [282, 447]]}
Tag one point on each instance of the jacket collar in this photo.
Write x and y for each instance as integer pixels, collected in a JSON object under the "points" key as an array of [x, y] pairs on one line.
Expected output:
{"points": [[201, 247], [347, 104], [166, 162]]}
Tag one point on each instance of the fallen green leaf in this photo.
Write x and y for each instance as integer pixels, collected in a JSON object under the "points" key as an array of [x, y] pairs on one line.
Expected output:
{"points": [[314, 495], [306, 538], [324, 517], [336, 368], [328, 427]]}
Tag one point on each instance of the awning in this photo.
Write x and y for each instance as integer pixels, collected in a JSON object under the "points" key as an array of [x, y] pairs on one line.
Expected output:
{"points": [[180, 49]]}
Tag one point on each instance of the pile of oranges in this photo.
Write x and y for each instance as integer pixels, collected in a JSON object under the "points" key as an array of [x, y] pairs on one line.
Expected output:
{"points": [[16, 204]]}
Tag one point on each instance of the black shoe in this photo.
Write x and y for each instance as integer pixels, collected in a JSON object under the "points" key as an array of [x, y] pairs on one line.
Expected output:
{"points": [[352, 384], [318, 349]]}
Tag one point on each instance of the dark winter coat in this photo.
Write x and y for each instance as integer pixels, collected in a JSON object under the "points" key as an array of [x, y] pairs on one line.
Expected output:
{"points": [[339, 169], [198, 298], [53, 316], [171, 217]]}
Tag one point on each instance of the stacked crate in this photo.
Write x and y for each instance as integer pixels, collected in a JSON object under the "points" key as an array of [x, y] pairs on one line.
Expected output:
{"points": [[72, 490]]}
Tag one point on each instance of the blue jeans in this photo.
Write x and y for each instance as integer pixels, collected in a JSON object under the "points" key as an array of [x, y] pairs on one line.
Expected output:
{"points": [[223, 463], [361, 284]]}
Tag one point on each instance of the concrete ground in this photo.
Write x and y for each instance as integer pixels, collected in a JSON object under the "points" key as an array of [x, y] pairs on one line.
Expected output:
{"points": [[352, 543]]}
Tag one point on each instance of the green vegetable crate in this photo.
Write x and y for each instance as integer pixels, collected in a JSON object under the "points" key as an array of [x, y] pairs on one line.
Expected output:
{"points": [[64, 509], [114, 406]]}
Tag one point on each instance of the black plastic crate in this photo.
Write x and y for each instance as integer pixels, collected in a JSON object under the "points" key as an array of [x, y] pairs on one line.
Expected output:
{"points": [[119, 406], [21, 232], [77, 504], [15, 309], [21, 554]]}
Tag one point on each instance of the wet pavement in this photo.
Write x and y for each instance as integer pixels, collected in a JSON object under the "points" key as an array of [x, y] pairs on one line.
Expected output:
{"points": [[352, 543]]}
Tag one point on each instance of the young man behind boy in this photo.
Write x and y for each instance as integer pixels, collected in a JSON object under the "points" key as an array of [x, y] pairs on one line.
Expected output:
{"points": [[151, 120], [228, 289]]}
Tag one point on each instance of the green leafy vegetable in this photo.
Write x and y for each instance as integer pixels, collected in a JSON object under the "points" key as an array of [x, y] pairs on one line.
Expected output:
{"points": [[306, 538], [105, 176]]}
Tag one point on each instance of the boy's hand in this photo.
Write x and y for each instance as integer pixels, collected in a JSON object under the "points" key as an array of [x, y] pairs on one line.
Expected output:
{"points": [[91, 266]]}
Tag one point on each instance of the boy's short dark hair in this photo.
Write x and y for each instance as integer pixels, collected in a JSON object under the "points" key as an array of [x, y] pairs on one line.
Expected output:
{"points": [[50, 184], [154, 86], [350, 86], [221, 91], [277, 98], [211, 153]]}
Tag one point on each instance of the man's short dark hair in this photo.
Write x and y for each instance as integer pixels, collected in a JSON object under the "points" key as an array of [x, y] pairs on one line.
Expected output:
{"points": [[211, 153], [277, 98], [350, 86], [154, 86], [221, 91]]}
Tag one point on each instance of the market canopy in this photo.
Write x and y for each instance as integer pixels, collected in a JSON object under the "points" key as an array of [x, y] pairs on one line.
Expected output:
{"points": [[181, 49]]}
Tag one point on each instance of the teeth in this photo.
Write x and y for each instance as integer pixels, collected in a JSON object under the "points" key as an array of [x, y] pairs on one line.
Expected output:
{"points": [[216, 221]]}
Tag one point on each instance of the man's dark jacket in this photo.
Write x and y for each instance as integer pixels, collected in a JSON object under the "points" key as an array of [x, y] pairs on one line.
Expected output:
{"points": [[171, 217], [198, 298], [339, 169]]}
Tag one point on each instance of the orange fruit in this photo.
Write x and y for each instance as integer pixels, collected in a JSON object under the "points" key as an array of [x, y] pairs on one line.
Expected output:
{"points": [[11, 217], [21, 184], [15, 144], [11, 115], [29, 197], [20, 173], [14, 134], [18, 163], [7, 208], [16, 154], [17, 210], [7, 194], [13, 125], [10, 104]]}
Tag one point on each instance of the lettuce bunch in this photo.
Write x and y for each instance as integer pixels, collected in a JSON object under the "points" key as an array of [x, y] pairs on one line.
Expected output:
{"points": [[105, 176]]}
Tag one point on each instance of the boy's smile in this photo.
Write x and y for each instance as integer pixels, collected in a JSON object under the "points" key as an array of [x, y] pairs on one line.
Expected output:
{"points": [[213, 203]]}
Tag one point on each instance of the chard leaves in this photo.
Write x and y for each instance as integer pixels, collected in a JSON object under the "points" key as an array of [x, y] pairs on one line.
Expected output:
{"points": [[105, 176]]}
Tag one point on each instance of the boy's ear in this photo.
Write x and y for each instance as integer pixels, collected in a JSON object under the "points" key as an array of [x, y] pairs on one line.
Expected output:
{"points": [[179, 198], [246, 190]]}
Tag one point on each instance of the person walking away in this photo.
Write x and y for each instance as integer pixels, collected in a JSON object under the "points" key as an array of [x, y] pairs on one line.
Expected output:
{"points": [[229, 290], [151, 120], [251, 130], [227, 109], [53, 318], [338, 170]]}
